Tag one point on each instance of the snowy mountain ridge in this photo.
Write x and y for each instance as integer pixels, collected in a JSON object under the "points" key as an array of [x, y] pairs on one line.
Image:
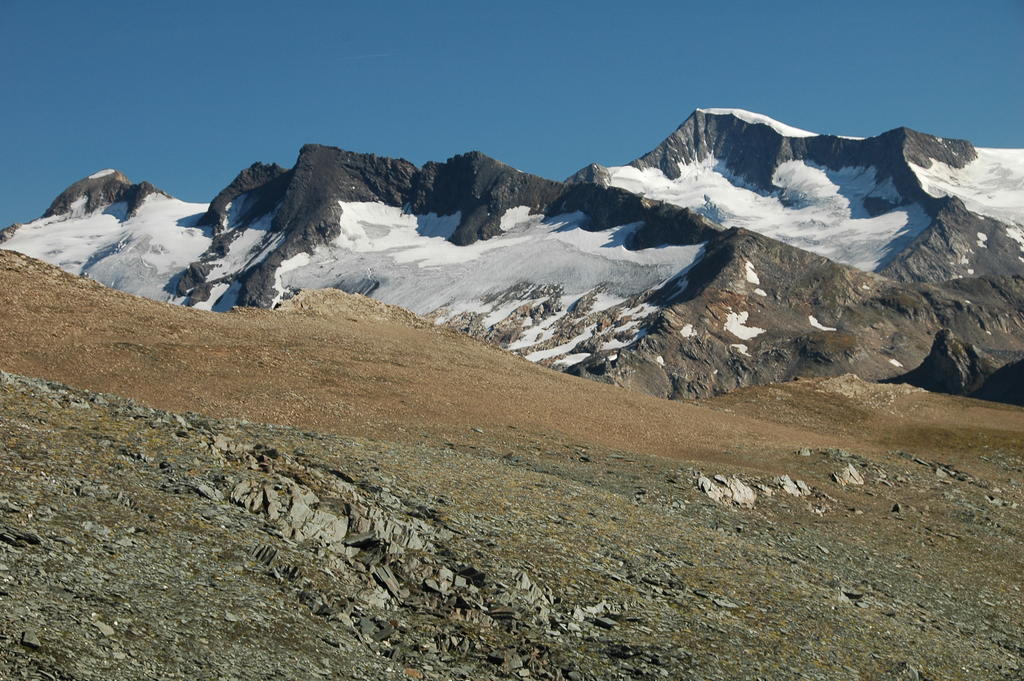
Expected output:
{"points": [[635, 275], [879, 203]]}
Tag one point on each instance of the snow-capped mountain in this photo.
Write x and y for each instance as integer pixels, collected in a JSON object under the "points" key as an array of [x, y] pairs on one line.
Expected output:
{"points": [[132, 237], [596, 279], [906, 204]]}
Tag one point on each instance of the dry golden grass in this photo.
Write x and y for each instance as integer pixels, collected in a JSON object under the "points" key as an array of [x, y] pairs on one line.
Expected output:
{"points": [[346, 364]]}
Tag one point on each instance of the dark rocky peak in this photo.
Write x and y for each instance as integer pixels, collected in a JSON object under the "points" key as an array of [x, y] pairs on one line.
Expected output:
{"points": [[99, 191], [481, 189], [309, 205], [352, 176], [265, 184], [952, 366]]}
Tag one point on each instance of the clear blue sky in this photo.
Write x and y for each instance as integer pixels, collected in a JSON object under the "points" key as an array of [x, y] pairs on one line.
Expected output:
{"points": [[185, 94]]}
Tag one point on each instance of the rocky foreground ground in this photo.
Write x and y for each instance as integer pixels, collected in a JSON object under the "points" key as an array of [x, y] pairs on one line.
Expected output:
{"points": [[142, 544]]}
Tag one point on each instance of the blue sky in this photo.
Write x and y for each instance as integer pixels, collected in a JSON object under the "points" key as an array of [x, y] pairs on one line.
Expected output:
{"points": [[186, 94]]}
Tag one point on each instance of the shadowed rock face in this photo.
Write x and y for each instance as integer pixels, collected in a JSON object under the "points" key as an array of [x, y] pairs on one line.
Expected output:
{"points": [[951, 366], [266, 183], [1004, 385], [481, 189], [958, 368]]}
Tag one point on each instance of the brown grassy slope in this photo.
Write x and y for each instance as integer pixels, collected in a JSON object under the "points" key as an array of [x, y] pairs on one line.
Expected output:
{"points": [[350, 365]]}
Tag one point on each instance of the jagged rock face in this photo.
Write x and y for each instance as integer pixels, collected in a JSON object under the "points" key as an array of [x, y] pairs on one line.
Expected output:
{"points": [[894, 203], [753, 311], [951, 366], [957, 243], [264, 183], [480, 190], [327, 200], [593, 174]]}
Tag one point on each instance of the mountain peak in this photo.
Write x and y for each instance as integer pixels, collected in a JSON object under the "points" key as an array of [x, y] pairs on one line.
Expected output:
{"points": [[99, 190], [757, 119]]}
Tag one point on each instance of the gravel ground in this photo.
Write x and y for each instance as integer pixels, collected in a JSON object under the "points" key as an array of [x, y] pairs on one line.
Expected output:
{"points": [[142, 544]]}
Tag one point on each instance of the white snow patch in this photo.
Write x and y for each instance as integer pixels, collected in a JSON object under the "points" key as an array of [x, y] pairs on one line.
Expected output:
{"points": [[515, 216], [409, 262], [660, 360], [77, 207], [687, 331], [761, 292], [752, 277], [740, 348], [618, 344], [603, 301], [818, 209], [992, 184], [540, 333], [229, 299], [982, 240], [102, 173], [216, 291], [640, 311], [569, 360], [818, 325], [251, 245], [563, 348], [292, 263], [756, 118], [735, 323], [895, 363], [502, 312], [1017, 234]]}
